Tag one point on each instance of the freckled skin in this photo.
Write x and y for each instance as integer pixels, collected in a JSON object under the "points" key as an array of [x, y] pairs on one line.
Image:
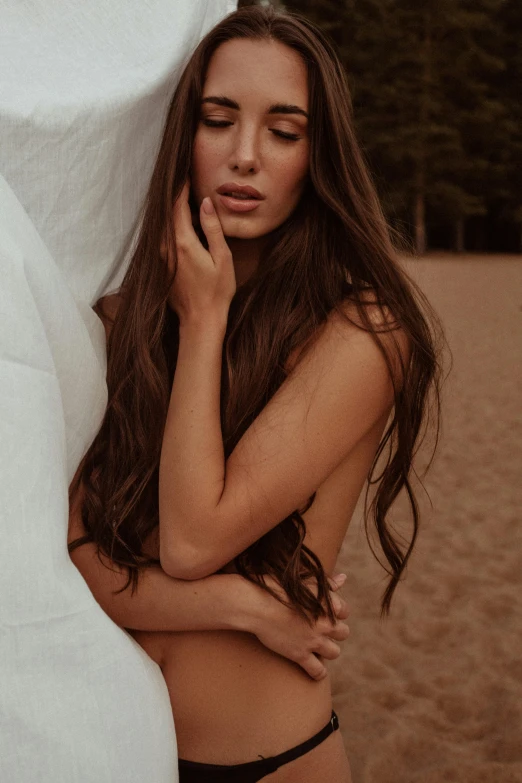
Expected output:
{"points": [[233, 699], [255, 74]]}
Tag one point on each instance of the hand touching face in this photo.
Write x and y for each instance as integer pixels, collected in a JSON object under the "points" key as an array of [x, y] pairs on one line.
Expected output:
{"points": [[251, 149], [205, 281]]}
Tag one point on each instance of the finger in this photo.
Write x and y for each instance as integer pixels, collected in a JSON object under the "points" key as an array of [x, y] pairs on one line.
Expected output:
{"points": [[182, 219], [336, 581], [340, 632], [325, 627], [211, 225], [314, 667], [340, 607], [328, 649], [182, 197]]}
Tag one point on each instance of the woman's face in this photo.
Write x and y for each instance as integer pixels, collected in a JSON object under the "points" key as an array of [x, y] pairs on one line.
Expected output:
{"points": [[252, 133]]}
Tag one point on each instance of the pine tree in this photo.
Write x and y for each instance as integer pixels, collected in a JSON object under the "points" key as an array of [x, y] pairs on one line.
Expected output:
{"points": [[420, 73], [504, 186]]}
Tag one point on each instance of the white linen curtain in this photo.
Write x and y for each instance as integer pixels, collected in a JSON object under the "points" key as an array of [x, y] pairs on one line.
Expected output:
{"points": [[83, 93]]}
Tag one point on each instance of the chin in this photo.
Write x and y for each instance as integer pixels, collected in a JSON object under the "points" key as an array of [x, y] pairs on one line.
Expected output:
{"points": [[236, 234], [235, 229], [248, 227]]}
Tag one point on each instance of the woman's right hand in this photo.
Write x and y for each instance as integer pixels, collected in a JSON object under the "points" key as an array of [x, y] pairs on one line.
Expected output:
{"points": [[205, 280], [287, 633]]}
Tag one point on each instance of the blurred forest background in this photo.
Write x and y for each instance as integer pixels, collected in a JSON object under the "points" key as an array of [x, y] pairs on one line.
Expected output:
{"points": [[436, 87]]}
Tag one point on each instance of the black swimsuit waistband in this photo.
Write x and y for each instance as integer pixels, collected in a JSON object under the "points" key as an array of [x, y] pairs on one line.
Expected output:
{"points": [[264, 766]]}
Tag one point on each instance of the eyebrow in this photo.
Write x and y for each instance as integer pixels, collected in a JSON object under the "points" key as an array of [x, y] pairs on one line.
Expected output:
{"points": [[276, 108]]}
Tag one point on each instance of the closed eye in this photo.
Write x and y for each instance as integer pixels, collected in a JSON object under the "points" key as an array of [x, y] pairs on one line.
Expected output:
{"points": [[226, 123], [216, 123], [284, 135]]}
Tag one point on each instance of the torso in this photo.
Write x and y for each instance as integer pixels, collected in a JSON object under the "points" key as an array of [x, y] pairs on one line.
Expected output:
{"points": [[234, 699]]}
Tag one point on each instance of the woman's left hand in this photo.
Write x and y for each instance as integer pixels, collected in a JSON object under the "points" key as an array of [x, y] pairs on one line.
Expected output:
{"points": [[280, 628], [205, 281]]}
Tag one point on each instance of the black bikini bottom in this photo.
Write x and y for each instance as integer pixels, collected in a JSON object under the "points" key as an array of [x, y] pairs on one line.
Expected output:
{"points": [[252, 771]]}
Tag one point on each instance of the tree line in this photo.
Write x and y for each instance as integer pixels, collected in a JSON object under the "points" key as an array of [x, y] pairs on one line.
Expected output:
{"points": [[436, 93]]}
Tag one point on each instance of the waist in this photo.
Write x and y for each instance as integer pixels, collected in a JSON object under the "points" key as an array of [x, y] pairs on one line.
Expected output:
{"points": [[234, 699]]}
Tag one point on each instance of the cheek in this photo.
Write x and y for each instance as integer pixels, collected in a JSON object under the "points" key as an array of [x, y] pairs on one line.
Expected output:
{"points": [[205, 158], [292, 175]]}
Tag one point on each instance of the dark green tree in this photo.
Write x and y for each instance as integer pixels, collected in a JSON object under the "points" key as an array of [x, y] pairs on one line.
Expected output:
{"points": [[421, 74], [504, 184]]}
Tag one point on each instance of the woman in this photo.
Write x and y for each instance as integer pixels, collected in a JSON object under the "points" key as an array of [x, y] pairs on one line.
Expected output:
{"points": [[264, 354]]}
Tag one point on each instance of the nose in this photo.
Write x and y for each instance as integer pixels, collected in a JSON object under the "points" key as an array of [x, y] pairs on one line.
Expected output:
{"points": [[244, 158]]}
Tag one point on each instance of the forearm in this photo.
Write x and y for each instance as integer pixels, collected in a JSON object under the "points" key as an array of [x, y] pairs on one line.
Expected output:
{"points": [[192, 465], [161, 603]]}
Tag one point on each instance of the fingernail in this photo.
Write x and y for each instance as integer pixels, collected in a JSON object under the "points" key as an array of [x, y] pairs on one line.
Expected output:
{"points": [[208, 206], [340, 579]]}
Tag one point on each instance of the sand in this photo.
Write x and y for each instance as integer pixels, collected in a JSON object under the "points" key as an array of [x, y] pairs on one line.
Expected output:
{"points": [[434, 693]]}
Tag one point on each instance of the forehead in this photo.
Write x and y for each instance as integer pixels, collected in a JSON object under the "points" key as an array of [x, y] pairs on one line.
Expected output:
{"points": [[260, 72]]}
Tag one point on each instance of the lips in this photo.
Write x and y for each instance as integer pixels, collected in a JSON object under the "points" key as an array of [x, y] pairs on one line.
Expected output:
{"points": [[243, 192], [239, 198]]}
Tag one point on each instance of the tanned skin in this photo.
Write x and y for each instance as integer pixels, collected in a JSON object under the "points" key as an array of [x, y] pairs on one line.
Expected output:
{"points": [[233, 699]]}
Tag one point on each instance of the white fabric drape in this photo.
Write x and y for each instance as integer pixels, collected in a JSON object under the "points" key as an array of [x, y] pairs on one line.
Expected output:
{"points": [[83, 93]]}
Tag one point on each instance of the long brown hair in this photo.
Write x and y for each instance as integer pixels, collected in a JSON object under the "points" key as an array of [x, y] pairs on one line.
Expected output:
{"points": [[335, 246]]}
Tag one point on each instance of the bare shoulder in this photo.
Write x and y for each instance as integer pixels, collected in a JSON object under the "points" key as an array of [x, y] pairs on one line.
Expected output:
{"points": [[379, 330], [346, 340]]}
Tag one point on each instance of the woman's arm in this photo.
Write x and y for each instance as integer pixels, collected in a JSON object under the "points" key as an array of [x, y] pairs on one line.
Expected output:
{"points": [[220, 602], [211, 510], [162, 603]]}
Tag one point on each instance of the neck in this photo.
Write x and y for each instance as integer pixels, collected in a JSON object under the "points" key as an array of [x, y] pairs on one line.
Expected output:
{"points": [[246, 254]]}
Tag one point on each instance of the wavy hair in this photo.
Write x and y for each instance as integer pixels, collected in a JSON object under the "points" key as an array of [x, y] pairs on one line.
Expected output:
{"points": [[335, 247]]}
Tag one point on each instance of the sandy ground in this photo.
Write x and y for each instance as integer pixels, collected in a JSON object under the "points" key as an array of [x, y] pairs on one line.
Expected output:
{"points": [[434, 693]]}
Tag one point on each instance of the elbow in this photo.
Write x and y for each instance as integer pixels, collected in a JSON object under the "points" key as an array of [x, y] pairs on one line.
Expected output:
{"points": [[186, 562]]}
